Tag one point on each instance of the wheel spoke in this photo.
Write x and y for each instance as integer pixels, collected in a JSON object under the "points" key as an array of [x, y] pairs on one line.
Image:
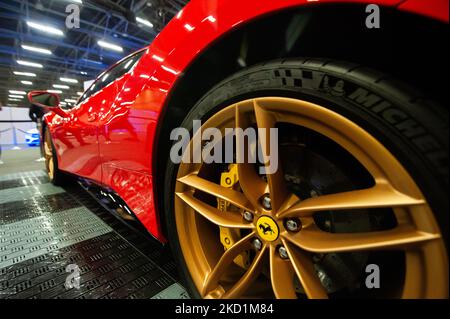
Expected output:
{"points": [[404, 236], [251, 183], [249, 277], [304, 268], [50, 167], [212, 279], [47, 149], [281, 276], [227, 194], [265, 120], [224, 219], [381, 195]]}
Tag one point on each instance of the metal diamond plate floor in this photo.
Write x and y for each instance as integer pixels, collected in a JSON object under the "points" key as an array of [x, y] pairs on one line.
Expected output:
{"points": [[47, 232]]}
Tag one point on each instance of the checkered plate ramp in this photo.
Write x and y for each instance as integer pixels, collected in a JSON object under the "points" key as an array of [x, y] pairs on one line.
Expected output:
{"points": [[44, 228]]}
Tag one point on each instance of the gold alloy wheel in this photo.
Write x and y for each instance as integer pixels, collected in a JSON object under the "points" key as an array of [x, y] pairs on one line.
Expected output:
{"points": [[285, 254], [48, 154]]}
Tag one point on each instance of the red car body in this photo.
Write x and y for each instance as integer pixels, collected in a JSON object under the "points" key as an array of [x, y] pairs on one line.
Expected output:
{"points": [[109, 138]]}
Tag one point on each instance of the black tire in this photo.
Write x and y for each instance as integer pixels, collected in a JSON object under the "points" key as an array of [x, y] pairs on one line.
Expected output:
{"points": [[59, 178], [412, 127]]}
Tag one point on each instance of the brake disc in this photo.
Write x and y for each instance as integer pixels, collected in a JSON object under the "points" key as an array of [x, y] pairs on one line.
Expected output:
{"points": [[336, 271]]}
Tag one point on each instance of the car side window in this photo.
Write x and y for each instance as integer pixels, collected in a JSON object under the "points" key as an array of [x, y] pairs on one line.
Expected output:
{"points": [[92, 89], [121, 69], [112, 74]]}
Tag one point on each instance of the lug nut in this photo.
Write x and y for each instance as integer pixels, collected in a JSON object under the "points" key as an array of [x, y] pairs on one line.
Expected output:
{"points": [[248, 216], [266, 202], [292, 224], [257, 244], [283, 252]]}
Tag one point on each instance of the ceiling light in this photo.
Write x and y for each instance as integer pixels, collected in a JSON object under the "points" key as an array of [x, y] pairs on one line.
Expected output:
{"points": [[110, 46], [70, 101], [144, 22], [45, 28], [188, 27], [54, 91], [35, 49], [128, 64], [14, 100], [90, 61], [157, 58], [105, 77], [211, 19], [28, 63], [25, 73], [15, 96], [17, 92], [60, 86], [80, 93], [169, 70], [69, 80], [26, 82]]}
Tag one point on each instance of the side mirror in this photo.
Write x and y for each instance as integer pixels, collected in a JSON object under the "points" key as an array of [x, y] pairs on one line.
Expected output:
{"points": [[48, 101]]}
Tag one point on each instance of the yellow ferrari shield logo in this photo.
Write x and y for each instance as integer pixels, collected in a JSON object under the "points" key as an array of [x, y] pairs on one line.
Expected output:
{"points": [[267, 228]]}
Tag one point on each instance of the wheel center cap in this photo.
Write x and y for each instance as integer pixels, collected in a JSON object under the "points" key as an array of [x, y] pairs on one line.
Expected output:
{"points": [[267, 228]]}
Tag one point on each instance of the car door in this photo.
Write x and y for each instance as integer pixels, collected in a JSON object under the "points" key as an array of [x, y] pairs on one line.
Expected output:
{"points": [[116, 132], [124, 142], [77, 136]]}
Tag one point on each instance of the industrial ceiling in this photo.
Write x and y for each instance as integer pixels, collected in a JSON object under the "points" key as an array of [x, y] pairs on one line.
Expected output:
{"points": [[39, 52]]}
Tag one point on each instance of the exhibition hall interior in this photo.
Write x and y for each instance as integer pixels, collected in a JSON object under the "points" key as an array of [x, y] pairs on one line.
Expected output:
{"points": [[224, 149]]}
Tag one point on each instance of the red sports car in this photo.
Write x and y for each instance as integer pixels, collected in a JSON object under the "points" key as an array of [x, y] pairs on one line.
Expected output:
{"points": [[357, 92]]}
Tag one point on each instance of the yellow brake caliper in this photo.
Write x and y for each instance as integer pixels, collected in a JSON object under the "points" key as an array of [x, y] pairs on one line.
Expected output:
{"points": [[229, 236]]}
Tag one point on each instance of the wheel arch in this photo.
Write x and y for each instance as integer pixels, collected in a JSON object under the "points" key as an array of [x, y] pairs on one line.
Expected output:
{"points": [[342, 34]]}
